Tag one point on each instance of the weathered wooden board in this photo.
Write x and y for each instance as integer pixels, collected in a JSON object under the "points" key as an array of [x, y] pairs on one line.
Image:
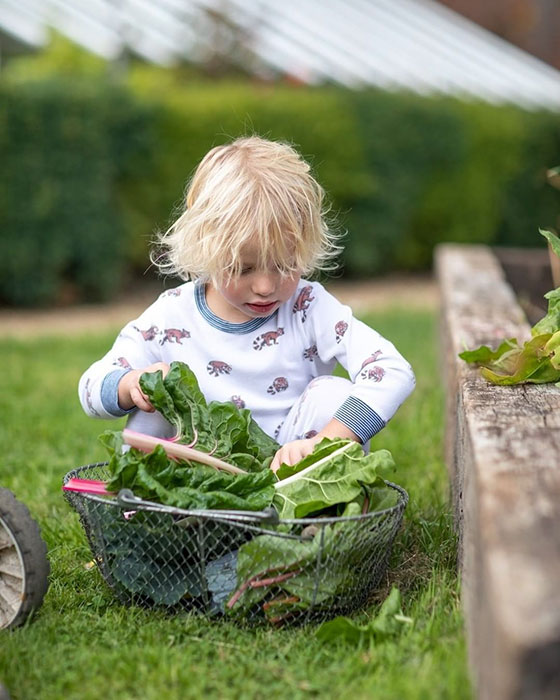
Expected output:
{"points": [[503, 456]]}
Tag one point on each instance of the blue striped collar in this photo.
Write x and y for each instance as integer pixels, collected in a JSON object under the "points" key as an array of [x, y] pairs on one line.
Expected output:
{"points": [[219, 323]]}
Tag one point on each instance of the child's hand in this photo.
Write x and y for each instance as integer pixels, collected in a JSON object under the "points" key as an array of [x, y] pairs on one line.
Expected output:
{"points": [[130, 393], [293, 452]]}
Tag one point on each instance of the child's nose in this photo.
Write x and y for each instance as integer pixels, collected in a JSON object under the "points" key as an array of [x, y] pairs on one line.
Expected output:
{"points": [[264, 284]]}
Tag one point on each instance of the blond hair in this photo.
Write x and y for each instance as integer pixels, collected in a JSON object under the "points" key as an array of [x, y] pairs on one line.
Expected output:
{"points": [[251, 190]]}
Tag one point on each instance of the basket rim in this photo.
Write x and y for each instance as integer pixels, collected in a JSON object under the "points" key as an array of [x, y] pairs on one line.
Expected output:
{"points": [[215, 514]]}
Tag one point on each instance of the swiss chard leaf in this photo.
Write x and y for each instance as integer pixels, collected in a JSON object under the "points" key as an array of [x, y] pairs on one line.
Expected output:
{"points": [[137, 561], [551, 322], [387, 623], [552, 348], [538, 360], [486, 356], [381, 498], [153, 386], [220, 428], [279, 574], [336, 478], [255, 441], [553, 239], [187, 485], [270, 565], [523, 366], [321, 450]]}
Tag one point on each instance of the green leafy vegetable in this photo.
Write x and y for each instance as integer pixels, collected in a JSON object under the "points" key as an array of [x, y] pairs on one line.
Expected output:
{"points": [[553, 240], [187, 485], [137, 561], [537, 361], [386, 624], [334, 473], [274, 572], [278, 575], [161, 560], [218, 428], [551, 322], [320, 451]]}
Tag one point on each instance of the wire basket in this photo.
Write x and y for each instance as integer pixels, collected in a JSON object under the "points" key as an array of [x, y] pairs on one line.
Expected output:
{"points": [[251, 567]]}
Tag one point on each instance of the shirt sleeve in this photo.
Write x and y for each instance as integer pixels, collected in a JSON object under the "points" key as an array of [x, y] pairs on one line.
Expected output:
{"points": [[110, 393], [135, 347], [381, 376]]}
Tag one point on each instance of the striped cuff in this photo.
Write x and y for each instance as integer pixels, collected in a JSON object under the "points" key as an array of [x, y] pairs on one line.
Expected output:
{"points": [[360, 418], [110, 393]]}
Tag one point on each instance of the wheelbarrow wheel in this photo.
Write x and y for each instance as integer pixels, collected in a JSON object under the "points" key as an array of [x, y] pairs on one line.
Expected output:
{"points": [[24, 567]]}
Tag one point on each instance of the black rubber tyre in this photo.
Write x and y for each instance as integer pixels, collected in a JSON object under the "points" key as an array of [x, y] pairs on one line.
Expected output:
{"points": [[24, 567]]}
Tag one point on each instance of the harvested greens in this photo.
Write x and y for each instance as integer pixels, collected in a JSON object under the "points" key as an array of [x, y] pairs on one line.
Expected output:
{"points": [[278, 575], [217, 428], [221, 429], [335, 472], [221, 565], [189, 485], [537, 361]]}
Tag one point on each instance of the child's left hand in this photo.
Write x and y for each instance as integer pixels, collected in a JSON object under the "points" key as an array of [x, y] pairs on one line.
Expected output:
{"points": [[293, 452]]}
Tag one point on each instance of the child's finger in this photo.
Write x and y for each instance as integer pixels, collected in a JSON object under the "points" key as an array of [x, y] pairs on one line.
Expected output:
{"points": [[279, 458], [288, 454], [140, 400]]}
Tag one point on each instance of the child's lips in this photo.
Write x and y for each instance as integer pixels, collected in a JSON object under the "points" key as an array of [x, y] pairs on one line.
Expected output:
{"points": [[262, 308]]}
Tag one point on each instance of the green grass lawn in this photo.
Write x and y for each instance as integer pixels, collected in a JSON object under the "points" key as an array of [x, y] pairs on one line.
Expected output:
{"points": [[82, 644]]}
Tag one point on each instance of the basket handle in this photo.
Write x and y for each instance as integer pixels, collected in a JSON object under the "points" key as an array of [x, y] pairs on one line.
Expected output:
{"points": [[126, 498], [87, 486]]}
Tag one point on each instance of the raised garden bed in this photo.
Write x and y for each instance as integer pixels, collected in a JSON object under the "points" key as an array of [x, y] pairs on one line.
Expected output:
{"points": [[503, 456]]}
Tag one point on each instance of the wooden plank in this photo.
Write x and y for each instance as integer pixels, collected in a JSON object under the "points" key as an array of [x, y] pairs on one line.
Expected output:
{"points": [[503, 456]]}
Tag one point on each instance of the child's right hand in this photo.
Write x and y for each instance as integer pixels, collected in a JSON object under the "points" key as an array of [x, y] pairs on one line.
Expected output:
{"points": [[130, 393]]}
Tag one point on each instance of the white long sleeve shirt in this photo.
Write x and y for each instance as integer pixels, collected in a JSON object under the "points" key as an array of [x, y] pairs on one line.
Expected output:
{"points": [[263, 364]]}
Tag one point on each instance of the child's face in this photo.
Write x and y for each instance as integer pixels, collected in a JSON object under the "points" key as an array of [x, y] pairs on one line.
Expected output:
{"points": [[254, 294]]}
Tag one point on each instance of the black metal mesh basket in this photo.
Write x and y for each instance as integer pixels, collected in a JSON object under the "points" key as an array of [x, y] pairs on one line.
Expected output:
{"points": [[251, 567]]}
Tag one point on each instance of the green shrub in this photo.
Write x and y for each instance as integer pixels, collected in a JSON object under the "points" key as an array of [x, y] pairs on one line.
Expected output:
{"points": [[408, 143], [448, 170], [529, 202], [403, 172], [464, 202], [92, 168], [63, 148]]}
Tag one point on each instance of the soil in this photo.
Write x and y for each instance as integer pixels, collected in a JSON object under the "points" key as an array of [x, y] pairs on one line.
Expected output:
{"points": [[418, 292]]}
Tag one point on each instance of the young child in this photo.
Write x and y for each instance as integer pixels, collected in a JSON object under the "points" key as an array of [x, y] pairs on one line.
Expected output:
{"points": [[247, 321]]}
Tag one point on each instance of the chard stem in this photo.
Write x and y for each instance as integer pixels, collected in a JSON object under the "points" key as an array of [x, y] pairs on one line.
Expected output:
{"points": [[253, 581], [193, 443], [214, 448], [260, 583], [280, 601]]}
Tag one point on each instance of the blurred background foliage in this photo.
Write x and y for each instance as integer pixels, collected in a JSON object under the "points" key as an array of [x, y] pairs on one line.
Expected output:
{"points": [[96, 157]]}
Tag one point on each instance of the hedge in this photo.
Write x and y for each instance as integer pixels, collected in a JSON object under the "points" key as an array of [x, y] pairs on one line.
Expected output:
{"points": [[64, 148], [403, 172], [91, 171]]}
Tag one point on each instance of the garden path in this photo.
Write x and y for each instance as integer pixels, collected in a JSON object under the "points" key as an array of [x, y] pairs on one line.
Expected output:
{"points": [[400, 291]]}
